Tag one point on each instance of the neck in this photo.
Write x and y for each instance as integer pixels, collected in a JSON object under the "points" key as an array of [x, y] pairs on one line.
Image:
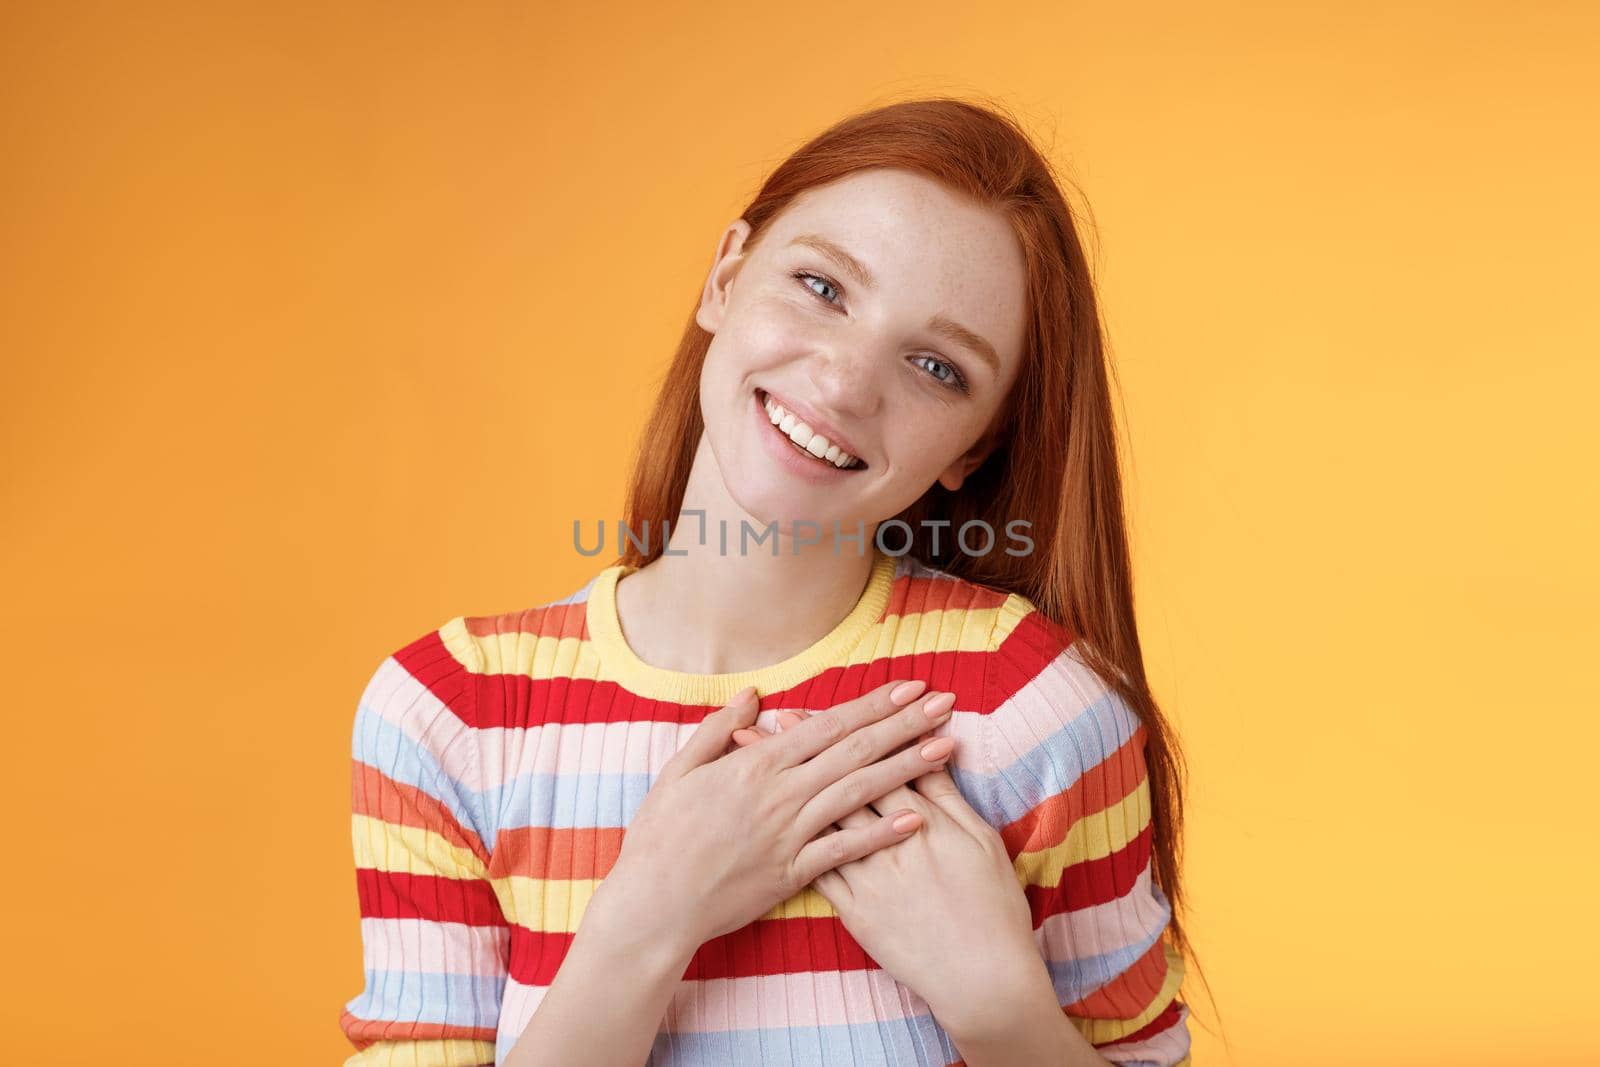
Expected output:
{"points": [[710, 609]]}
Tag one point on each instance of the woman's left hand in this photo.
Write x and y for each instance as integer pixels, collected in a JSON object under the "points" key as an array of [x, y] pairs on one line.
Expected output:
{"points": [[941, 911]]}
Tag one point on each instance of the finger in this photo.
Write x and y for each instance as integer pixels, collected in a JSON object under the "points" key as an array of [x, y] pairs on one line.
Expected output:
{"points": [[710, 738], [829, 851], [833, 887], [857, 791], [749, 736], [865, 815], [824, 730], [939, 788], [909, 795], [870, 745]]}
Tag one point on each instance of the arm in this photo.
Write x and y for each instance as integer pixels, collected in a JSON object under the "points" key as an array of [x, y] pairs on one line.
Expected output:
{"points": [[434, 940], [615, 983], [1029, 1033], [1068, 787]]}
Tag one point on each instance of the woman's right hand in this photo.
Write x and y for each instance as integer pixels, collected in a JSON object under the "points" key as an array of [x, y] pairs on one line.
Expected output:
{"points": [[723, 837]]}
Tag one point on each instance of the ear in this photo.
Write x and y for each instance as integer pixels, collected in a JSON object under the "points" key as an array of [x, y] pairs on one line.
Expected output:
{"points": [[714, 297], [970, 460]]}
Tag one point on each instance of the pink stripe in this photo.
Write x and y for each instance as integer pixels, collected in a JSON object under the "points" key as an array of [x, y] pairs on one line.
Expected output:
{"points": [[397, 697], [1169, 1046], [832, 998], [616, 748], [1062, 690], [1103, 928], [414, 945]]}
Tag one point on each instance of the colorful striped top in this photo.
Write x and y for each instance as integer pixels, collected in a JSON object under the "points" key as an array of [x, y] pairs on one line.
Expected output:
{"points": [[498, 760]]}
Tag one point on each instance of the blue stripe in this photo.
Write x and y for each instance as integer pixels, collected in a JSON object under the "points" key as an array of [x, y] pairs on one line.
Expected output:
{"points": [[379, 743], [428, 997]]}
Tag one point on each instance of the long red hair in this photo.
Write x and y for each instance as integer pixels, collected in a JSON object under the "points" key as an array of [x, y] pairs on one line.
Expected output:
{"points": [[1056, 458]]}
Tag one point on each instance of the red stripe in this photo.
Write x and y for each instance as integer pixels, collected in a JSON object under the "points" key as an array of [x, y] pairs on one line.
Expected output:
{"points": [[375, 794], [428, 661], [1097, 881], [365, 1032], [549, 620], [764, 947], [1103, 786], [518, 702], [1023, 653], [1129, 993], [1165, 1021], [394, 895], [919, 595]]}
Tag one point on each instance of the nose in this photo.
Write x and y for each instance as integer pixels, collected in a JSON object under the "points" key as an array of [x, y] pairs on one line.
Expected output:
{"points": [[846, 381]]}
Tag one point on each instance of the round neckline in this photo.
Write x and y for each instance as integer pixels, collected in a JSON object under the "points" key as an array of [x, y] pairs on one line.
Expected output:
{"points": [[605, 633]]}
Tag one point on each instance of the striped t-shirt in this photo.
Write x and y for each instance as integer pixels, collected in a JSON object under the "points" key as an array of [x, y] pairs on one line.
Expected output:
{"points": [[498, 760]]}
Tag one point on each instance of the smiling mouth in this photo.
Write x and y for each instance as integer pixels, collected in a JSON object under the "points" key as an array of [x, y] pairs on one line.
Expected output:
{"points": [[816, 446]]}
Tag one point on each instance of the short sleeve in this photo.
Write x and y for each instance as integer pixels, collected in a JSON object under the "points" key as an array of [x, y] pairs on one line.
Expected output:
{"points": [[434, 940], [1067, 786]]}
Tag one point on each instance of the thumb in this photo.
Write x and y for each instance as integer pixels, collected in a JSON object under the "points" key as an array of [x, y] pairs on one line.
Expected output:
{"points": [[711, 738]]}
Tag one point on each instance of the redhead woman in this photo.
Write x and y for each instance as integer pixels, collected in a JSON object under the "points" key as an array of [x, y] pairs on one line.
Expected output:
{"points": [[848, 756]]}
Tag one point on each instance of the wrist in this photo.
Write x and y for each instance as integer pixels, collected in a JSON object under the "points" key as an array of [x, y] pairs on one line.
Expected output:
{"points": [[994, 1007], [628, 927]]}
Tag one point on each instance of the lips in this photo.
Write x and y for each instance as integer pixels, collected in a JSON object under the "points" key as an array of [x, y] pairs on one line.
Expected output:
{"points": [[816, 425]]}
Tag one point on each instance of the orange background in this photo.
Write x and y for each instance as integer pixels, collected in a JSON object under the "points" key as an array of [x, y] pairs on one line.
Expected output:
{"points": [[321, 322]]}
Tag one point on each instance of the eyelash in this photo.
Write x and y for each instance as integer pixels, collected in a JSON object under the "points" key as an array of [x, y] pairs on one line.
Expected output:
{"points": [[957, 381]]}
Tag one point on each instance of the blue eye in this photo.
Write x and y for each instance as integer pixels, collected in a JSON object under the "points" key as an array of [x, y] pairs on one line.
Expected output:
{"points": [[805, 277], [954, 379]]}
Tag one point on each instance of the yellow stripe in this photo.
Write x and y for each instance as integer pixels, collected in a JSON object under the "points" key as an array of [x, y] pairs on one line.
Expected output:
{"points": [[1090, 838], [955, 630], [540, 658], [1008, 615], [543, 658], [1100, 1031], [941, 630], [422, 1054], [556, 906], [386, 846], [461, 645]]}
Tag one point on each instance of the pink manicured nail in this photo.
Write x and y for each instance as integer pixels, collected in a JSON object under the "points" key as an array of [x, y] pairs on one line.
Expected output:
{"points": [[906, 692], [907, 822], [938, 749], [749, 737], [938, 705]]}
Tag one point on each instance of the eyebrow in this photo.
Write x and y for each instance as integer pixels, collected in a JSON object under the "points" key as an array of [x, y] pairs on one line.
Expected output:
{"points": [[939, 324]]}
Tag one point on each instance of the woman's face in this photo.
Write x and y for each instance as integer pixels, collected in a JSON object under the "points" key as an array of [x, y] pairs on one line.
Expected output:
{"points": [[885, 312]]}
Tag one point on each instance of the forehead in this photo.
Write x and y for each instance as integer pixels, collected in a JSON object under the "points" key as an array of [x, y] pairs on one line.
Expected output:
{"points": [[890, 206]]}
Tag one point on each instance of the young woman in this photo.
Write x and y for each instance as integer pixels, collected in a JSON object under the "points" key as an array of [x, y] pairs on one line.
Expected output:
{"points": [[878, 504]]}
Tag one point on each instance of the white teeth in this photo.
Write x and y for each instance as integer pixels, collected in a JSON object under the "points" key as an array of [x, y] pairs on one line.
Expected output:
{"points": [[812, 442]]}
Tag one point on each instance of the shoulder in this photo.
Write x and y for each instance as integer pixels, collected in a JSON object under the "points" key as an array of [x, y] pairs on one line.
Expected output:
{"points": [[502, 642], [1051, 719], [963, 612], [419, 694]]}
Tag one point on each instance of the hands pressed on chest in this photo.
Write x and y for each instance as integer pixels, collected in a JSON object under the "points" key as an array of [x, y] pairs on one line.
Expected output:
{"points": [[941, 911]]}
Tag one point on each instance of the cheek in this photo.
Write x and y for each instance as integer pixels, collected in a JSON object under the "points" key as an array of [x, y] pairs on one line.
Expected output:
{"points": [[929, 439], [773, 324]]}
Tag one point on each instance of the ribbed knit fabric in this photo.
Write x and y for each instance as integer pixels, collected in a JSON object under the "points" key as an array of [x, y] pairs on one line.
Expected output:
{"points": [[498, 760]]}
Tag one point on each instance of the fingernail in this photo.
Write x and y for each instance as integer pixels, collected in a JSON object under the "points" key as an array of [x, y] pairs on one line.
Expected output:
{"points": [[743, 695], [937, 706], [938, 749], [907, 822], [746, 737], [789, 718], [906, 692]]}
